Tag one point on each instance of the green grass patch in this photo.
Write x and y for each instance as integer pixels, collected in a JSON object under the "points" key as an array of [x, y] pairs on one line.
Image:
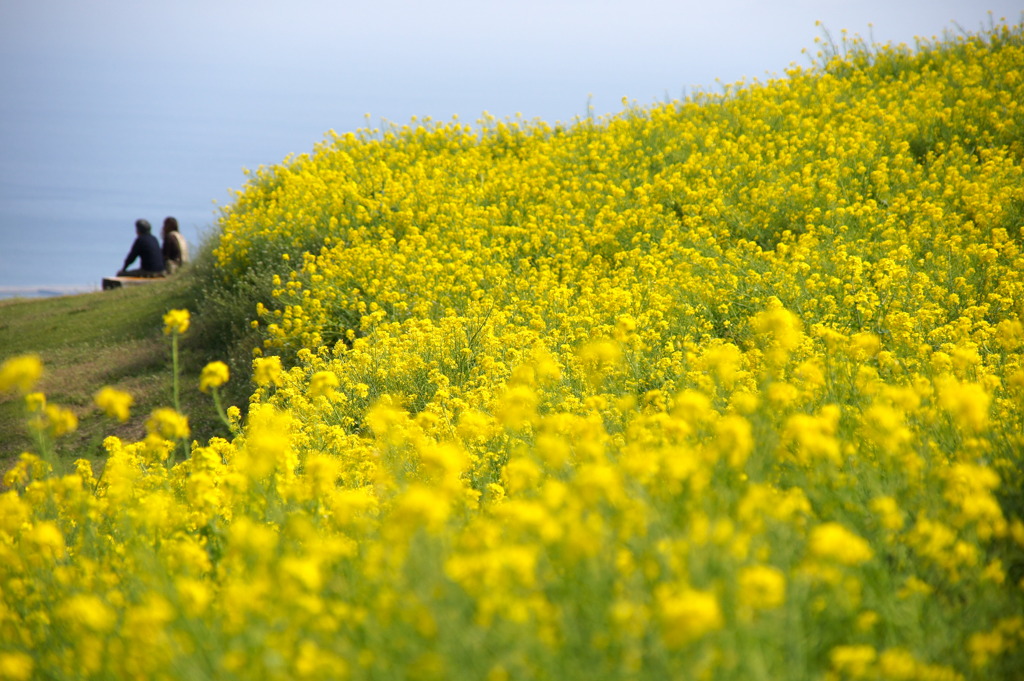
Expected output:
{"points": [[109, 338]]}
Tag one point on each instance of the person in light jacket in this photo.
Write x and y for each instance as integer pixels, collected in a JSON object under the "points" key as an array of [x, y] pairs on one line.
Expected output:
{"points": [[175, 248]]}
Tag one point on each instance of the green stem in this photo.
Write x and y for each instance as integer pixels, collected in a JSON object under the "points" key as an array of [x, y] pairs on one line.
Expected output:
{"points": [[172, 459], [45, 446], [174, 357], [220, 410]]}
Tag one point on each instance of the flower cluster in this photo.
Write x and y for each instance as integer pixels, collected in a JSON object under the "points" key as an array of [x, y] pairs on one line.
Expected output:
{"points": [[724, 388]]}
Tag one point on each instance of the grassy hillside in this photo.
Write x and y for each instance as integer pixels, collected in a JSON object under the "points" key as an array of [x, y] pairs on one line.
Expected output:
{"points": [[109, 338], [726, 388]]}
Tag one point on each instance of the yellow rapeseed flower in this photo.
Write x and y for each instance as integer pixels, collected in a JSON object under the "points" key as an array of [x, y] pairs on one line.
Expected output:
{"points": [[762, 587], [269, 442], [46, 539], [35, 402], [16, 666], [853, 661], [832, 541], [898, 664], [90, 612], [687, 615], [115, 403], [888, 513], [168, 424], [176, 321], [968, 403], [213, 375], [61, 420], [54, 420], [267, 370], [21, 373], [323, 383]]}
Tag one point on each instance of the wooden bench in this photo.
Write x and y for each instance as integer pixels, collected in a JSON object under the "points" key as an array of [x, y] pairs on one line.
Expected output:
{"points": [[110, 283]]}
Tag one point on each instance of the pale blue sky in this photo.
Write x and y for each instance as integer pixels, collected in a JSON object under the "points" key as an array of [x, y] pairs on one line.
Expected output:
{"points": [[117, 109]]}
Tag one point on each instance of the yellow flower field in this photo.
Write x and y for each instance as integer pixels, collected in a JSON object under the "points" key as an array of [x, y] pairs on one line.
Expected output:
{"points": [[725, 388]]}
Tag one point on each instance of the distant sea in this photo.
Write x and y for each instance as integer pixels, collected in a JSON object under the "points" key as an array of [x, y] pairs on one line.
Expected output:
{"points": [[89, 144], [68, 220], [45, 251], [44, 292], [78, 167], [88, 148], [61, 256]]}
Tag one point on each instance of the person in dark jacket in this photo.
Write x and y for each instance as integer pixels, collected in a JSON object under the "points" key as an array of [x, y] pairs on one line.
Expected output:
{"points": [[147, 249]]}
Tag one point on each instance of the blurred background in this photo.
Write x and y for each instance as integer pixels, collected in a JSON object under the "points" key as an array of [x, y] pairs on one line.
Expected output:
{"points": [[114, 110]]}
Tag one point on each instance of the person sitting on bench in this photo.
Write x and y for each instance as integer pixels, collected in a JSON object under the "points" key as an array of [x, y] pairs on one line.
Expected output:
{"points": [[175, 248], [147, 249]]}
